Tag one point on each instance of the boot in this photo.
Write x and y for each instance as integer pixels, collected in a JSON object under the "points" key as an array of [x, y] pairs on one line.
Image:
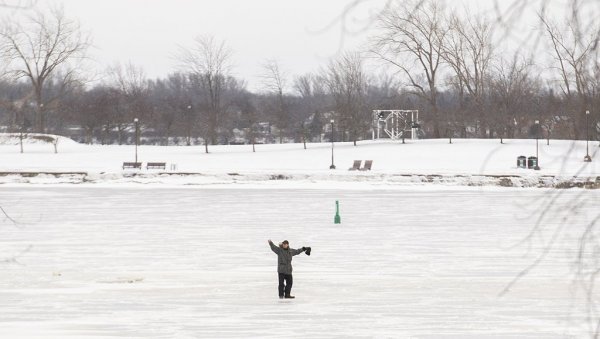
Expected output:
{"points": [[289, 296]]}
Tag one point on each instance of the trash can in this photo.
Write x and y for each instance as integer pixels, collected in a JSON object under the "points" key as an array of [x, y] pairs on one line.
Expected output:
{"points": [[522, 161], [532, 162]]}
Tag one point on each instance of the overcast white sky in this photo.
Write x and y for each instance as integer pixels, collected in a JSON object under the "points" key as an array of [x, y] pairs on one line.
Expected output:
{"points": [[147, 32]]}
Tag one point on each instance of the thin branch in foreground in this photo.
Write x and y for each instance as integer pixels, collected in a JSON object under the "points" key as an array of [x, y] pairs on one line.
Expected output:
{"points": [[8, 216], [15, 258], [19, 4]]}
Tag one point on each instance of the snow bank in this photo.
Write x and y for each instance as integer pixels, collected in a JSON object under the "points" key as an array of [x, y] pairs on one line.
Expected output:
{"points": [[12, 139], [470, 162], [290, 180]]}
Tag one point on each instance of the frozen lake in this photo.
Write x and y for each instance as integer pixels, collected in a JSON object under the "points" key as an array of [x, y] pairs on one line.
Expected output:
{"points": [[187, 263]]}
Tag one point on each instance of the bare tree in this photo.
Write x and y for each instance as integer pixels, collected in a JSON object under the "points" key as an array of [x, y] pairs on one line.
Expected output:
{"points": [[347, 83], [133, 88], [249, 116], [171, 96], [275, 82], [512, 87], [304, 86], [44, 50], [89, 108], [314, 100], [467, 49], [411, 40], [573, 52], [17, 4], [129, 78], [209, 60]]}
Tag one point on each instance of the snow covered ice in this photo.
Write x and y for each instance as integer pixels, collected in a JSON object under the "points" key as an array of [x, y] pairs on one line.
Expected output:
{"points": [[186, 262]]}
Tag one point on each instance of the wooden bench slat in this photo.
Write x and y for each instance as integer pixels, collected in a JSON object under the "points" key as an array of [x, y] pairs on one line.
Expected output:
{"points": [[368, 165], [132, 165], [156, 165], [355, 165]]}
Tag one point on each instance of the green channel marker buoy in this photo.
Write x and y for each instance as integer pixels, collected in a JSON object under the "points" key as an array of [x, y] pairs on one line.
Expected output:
{"points": [[337, 219]]}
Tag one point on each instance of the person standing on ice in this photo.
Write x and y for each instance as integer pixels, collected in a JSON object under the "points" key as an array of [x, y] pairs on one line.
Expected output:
{"points": [[284, 266]]}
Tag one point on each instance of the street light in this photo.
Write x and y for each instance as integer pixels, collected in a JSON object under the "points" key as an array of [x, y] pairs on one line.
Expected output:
{"points": [[537, 139], [332, 164], [136, 139], [587, 157]]}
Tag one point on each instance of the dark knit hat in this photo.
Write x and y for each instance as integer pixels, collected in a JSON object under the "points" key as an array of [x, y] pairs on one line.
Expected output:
{"points": [[285, 242]]}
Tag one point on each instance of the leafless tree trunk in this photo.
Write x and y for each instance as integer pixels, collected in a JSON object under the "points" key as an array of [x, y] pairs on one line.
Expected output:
{"points": [[44, 49], [313, 101], [134, 89], [573, 53], [412, 41], [209, 60], [467, 49], [513, 85], [347, 83], [21, 137], [275, 82], [303, 85]]}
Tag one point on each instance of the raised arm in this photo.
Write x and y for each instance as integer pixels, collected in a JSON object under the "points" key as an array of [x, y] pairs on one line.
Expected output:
{"points": [[274, 248], [298, 251]]}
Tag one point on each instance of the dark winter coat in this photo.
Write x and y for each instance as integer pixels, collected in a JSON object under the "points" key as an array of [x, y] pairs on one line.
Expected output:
{"points": [[284, 258]]}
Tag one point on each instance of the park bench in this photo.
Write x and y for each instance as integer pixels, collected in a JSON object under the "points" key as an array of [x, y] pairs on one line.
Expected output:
{"points": [[137, 165], [355, 166], [368, 165], [156, 165]]}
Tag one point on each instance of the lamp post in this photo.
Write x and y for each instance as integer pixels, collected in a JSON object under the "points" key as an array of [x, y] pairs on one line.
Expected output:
{"points": [[587, 157], [332, 164], [537, 139], [41, 114], [136, 139]]}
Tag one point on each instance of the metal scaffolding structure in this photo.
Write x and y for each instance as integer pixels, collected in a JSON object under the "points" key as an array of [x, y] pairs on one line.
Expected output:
{"points": [[395, 123]]}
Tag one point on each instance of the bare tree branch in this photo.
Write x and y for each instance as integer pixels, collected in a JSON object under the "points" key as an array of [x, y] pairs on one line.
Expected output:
{"points": [[39, 50]]}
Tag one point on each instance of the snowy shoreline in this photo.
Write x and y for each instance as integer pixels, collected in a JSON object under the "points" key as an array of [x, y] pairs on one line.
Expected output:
{"points": [[375, 180], [428, 163]]}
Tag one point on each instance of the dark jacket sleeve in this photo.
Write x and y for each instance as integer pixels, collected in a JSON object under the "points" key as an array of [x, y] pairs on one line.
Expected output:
{"points": [[274, 248], [296, 252]]}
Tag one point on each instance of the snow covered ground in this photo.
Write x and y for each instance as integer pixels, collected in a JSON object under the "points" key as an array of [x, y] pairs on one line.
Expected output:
{"points": [[464, 156], [188, 262]]}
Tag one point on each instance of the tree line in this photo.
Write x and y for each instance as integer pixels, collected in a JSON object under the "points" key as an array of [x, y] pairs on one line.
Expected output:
{"points": [[446, 65]]}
